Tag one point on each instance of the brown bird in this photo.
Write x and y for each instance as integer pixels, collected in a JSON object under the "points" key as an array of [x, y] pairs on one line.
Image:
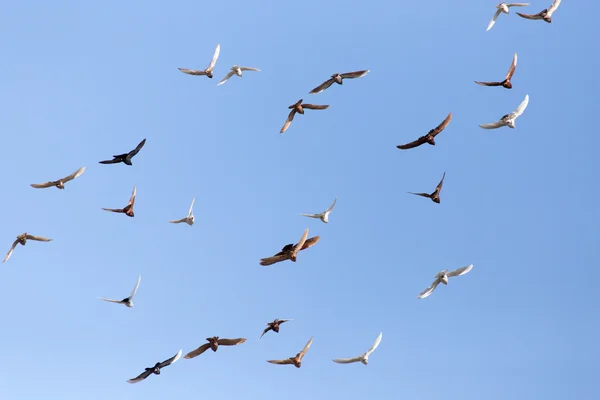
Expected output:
{"points": [[435, 196], [296, 360], [298, 107], [429, 138], [337, 78], [128, 210], [290, 251], [506, 82], [208, 70], [545, 14], [22, 239], [59, 183], [274, 326], [213, 344]]}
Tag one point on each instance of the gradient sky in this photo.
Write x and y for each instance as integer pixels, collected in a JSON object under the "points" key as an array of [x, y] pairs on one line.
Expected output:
{"points": [[81, 82]]}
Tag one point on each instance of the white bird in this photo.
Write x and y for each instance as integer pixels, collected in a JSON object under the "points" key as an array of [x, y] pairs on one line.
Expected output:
{"points": [[237, 70], [190, 217], [503, 8], [442, 277], [363, 358], [208, 71], [508, 119], [127, 300], [324, 216]]}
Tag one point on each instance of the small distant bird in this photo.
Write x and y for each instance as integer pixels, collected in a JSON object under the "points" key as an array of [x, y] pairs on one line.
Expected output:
{"points": [[363, 358], [274, 326], [337, 78], [296, 361], [208, 70], [213, 344], [127, 300], [503, 7], [435, 196], [290, 251], [442, 277], [237, 70], [508, 119], [125, 157], [189, 219], [128, 210], [298, 107], [506, 82], [156, 369], [429, 138], [545, 14], [324, 216], [22, 239], [59, 183]]}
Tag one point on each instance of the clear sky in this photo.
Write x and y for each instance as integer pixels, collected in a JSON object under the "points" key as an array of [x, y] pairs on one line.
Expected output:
{"points": [[81, 82]]}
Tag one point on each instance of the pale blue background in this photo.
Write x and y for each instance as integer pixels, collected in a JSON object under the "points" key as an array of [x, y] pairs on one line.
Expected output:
{"points": [[80, 82]]}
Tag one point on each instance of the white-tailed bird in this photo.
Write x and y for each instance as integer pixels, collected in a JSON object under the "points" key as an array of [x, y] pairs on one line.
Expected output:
{"points": [[503, 8], [545, 14], [127, 300], [237, 70], [508, 119], [208, 71], [324, 216], [442, 277], [189, 219], [59, 183], [363, 358]]}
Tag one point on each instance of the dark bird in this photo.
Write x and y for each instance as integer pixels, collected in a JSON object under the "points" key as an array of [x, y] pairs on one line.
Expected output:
{"points": [[435, 196], [290, 251], [296, 360], [298, 107], [156, 369], [429, 138], [274, 326], [208, 70], [128, 210], [338, 78], [506, 82], [545, 14], [22, 239], [213, 344], [125, 157], [59, 183]]}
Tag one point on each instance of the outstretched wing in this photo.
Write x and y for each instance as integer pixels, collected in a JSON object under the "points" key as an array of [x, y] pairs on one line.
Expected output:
{"points": [[198, 351], [493, 125], [429, 290], [488, 83], [141, 376], [192, 71], [249, 69], [493, 21], [553, 7], [281, 362], [171, 360], [136, 287], [115, 210], [312, 215], [178, 221], [310, 242], [299, 245], [420, 194], [214, 59], [460, 271], [355, 74], [113, 161], [375, 344], [521, 108], [322, 86], [110, 300], [410, 145], [315, 106], [38, 238], [517, 4], [137, 149], [132, 198], [230, 342], [439, 186], [305, 349], [511, 70], [282, 256], [529, 16], [229, 75], [73, 175], [332, 205], [436, 131], [289, 120], [12, 248], [191, 207], [347, 360], [267, 329], [44, 185]]}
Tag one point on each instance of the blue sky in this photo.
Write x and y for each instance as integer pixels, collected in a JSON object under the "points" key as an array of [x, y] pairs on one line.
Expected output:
{"points": [[81, 82]]}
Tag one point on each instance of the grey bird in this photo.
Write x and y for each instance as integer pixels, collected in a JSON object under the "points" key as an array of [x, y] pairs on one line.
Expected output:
{"points": [[324, 216], [442, 277], [156, 369], [338, 78], [545, 14], [59, 183], [208, 71], [363, 358], [128, 301], [22, 239], [190, 217], [296, 361], [125, 157]]}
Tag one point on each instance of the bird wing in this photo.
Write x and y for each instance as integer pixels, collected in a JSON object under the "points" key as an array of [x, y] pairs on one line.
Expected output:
{"points": [[178, 221], [38, 238], [310, 242], [439, 186], [415, 143], [511, 70], [493, 125], [529, 16], [73, 175], [249, 69], [198, 351], [113, 161], [192, 71], [231, 342], [460, 271], [141, 376], [115, 210], [305, 349], [281, 362], [430, 289], [355, 74], [229, 75], [282, 256], [214, 59], [420, 194], [521, 108], [132, 198], [347, 360], [12, 248], [171, 360], [518, 4], [312, 215], [267, 329], [488, 83], [44, 185], [136, 287], [191, 207], [111, 300], [493, 21], [436, 131], [299, 245], [553, 7], [289, 120], [314, 106], [332, 205], [322, 86], [375, 344], [137, 149]]}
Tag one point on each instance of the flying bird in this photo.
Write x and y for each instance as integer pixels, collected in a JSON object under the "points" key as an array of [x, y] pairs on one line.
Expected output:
{"points": [[127, 300], [296, 361], [429, 138], [506, 82], [442, 277], [324, 216], [503, 8], [298, 107], [508, 119], [435, 196], [156, 369], [363, 358], [290, 251], [237, 70], [190, 217], [274, 326], [338, 78], [59, 183], [213, 344], [545, 14], [22, 239], [128, 210], [125, 157], [208, 71]]}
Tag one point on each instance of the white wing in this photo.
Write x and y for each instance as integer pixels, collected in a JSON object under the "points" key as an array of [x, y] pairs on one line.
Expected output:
{"points": [[347, 360], [112, 301], [375, 344], [191, 207], [249, 69], [177, 356], [136, 287], [429, 290], [312, 215], [493, 125], [215, 57], [229, 75], [331, 206], [553, 7], [460, 271], [73, 175], [521, 108], [493, 21], [178, 221], [517, 4]]}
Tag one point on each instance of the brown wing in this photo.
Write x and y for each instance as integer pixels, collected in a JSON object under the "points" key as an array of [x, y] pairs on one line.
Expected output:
{"points": [[439, 186], [281, 256], [488, 83], [132, 198], [44, 185], [267, 329], [141, 376], [322, 86], [356, 74], [421, 194], [305, 349], [115, 210], [513, 65], [231, 342], [410, 145], [314, 106], [281, 362], [289, 120], [38, 238], [310, 242], [11, 250], [299, 245], [436, 131], [198, 351], [529, 16]]}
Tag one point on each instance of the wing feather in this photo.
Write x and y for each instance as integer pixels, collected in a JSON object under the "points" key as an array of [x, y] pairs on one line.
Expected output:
{"points": [[347, 360], [521, 107], [198, 351], [289, 120], [171, 360], [322, 86], [493, 125], [231, 342], [460, 271], [511, 70], [215, 57], [356, 74], [493, 21], [222, 81], [429, 290], [192, 71], [315, 106]]}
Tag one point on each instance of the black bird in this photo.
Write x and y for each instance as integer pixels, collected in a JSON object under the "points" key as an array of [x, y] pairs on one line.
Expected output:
{"points": [[125, 157], [274, 326], [155, 369]]}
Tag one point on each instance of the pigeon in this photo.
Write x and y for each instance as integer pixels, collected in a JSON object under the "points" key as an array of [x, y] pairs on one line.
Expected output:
{"points": [[213, 344], [338, 78], [274, 326], [363, 358], [435, 196], [296, 361], [503, 7], [545, 14], [208, 70], [324, 216], [22, 239], [508, 119], [128, 210], [156, 369], [298, 107], [125, 157], [59, 183], [290, 251], [237, 70], [190, 217], [506, 82], [429, 138], [127, 300], [442, 277]]}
